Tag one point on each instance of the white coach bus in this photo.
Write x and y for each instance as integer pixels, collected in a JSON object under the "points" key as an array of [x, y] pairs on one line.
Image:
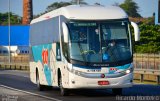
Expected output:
{"points": [[77, 47]]}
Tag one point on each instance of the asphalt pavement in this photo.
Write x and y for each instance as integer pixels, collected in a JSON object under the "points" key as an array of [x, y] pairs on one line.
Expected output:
{"points": [[16, 86]]}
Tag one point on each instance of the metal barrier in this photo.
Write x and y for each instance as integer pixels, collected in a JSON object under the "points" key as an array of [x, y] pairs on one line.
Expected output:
{"points": [[14, 66], [20, 62], [15, 59], [151, 75], [147, 61], [147, 67]]}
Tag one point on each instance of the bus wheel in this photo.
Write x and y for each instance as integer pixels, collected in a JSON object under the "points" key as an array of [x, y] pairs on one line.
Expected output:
{"points": [[117, 91], [64, 91], [40, 87]]}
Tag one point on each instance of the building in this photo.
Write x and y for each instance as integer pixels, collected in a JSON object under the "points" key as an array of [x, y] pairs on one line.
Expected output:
{"points": [[19, 39]]}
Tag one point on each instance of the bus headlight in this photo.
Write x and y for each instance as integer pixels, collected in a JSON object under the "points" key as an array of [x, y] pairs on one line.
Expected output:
{"points": [[128, 71]]}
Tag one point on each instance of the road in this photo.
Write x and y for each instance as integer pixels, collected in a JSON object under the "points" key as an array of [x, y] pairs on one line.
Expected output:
{"points": [[17, 85]]}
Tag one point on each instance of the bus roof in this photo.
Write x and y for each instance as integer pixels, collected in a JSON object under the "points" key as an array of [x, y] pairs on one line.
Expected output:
{"points": [[85, 12]]}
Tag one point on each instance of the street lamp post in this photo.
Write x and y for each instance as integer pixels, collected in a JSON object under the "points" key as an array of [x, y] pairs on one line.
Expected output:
{"points": [[9, 50], [78, 2]]}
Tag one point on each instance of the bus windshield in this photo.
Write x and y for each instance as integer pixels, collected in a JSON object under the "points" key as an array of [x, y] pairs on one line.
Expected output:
{"points": [[99, 41]]}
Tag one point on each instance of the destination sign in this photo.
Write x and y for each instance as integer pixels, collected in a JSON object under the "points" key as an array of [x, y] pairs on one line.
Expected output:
{"points": [[84, 24]]}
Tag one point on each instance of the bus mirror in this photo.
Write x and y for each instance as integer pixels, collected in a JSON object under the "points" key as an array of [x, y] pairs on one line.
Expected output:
{"points": [[136, 31], [65, 32]]}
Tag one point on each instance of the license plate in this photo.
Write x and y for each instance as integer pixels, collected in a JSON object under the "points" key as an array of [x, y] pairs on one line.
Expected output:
{"points": [[103, 82]]}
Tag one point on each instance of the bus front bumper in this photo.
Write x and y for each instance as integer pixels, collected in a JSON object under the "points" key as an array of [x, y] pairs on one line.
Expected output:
{"points": [[76, 82]]}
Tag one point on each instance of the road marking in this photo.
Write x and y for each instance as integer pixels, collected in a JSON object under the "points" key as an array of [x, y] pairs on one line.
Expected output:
{"points": [[15, 75], [49, 98], [141, 84]]}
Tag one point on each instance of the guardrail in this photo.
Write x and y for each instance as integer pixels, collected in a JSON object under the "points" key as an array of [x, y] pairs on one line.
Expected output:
{"points": [[14, 66], [147, 61], [147, 74], [20, 62], [15, 59], [147, 67]]}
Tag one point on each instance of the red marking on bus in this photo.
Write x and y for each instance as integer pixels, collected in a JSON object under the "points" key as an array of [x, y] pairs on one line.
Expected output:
{"points": [[45, 56], [113, 69]]}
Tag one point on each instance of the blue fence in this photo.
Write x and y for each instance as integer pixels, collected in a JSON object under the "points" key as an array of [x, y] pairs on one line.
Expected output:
{"points": [[19, 35]]}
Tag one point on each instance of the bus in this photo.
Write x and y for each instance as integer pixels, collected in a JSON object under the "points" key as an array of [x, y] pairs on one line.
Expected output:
{"points": [[82, 47]]}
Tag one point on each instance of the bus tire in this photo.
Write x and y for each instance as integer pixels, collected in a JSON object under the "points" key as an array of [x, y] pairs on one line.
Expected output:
{"points": [[117, 91], [39, 86], [64, 91]]}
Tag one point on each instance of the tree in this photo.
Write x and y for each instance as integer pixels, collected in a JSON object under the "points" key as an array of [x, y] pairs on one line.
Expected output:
{"points": [[131, 8], [78, 2], [57, 5], [14, 19], [97, 3], [116, 4], [149, 41]]}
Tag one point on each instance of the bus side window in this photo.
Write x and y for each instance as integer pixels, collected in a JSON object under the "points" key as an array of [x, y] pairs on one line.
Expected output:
{"points": [[58, 52]]}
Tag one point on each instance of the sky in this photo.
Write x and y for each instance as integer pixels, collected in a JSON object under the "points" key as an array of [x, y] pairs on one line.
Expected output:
{"points": [[146, 7]]}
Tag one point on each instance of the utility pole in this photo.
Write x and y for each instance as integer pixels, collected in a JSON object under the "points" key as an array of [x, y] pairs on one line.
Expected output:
{"points": [[9, 24], [158, 11], [78, 2], [157, 14]]}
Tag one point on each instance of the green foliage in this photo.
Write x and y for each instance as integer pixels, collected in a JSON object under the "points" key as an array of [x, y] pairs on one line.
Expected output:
{"points": [[56, 5], [14, 19], [150, 39], [131, 8], [80, 2], [149, 20]]}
